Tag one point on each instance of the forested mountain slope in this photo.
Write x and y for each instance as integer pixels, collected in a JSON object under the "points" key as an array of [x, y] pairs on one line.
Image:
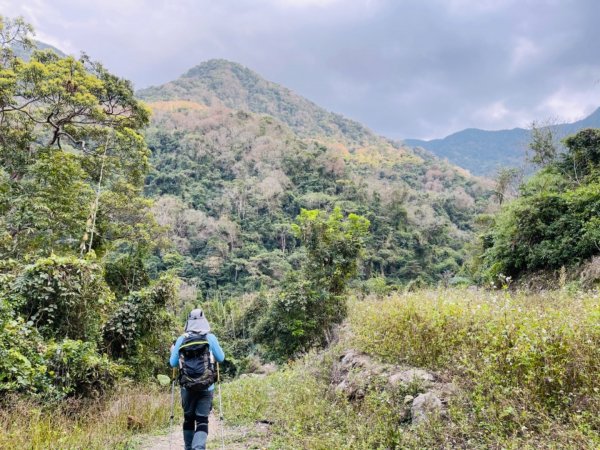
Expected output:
{"points": [[231, 180], [219, 82], [25, 53], [483, 152]]}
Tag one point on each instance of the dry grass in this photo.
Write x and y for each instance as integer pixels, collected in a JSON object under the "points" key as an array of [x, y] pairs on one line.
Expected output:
{"points": [[79, 424]]}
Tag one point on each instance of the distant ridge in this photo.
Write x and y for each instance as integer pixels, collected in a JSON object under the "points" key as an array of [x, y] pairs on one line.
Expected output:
{"points": [[25, 53], [483, 152]]}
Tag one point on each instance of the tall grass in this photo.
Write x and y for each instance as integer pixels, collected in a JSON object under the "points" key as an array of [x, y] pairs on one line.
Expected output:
{"points": [[78, 424], [307, 415], [530, 362], [526, 367]]}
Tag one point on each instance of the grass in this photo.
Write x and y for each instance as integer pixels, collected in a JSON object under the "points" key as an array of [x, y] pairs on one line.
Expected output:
{"points": [[527, 368], [89, 425]]}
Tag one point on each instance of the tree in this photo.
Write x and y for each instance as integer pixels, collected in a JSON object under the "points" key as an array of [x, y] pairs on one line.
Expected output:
{"points": [[311, 302], [333, 245], [78, 242], [55, 109], [505, 181], [13, 33], [554, 222], [582, 157], [543, 144]]}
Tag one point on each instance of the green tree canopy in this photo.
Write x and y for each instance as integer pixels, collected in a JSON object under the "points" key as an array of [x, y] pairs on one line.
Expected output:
{"points": [[554, 221]]}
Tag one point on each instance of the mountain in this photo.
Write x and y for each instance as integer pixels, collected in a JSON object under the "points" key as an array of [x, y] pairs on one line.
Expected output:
{"points": [[225, 83], [236, 158], [25, 53], [483, 152]]}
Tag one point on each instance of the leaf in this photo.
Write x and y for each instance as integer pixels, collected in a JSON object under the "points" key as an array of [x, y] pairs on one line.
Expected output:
{"points": [[163, 380]]}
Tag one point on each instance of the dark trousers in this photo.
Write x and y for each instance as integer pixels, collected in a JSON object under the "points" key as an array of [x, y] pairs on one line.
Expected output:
{"points": [[196, 408]]}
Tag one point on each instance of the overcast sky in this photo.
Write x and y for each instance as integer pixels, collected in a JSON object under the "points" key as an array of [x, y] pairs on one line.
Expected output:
{"points": [[405, 68]]}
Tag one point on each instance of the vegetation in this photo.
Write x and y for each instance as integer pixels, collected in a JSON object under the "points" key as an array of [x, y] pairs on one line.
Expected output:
{"points": [[82, 301], [229, 184], [525, 369], [303, 314], [554, 222], [90, 424], [221, 83], [267, 210]]}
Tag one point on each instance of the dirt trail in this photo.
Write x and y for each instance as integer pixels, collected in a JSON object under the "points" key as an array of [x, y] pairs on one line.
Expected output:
{"points": [[236, 438]]}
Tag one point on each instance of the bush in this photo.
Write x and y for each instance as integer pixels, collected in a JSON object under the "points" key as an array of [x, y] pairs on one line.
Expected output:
{"points": [[298, 318], [140, 329], [376, 286], [22, 364], [63, 297], [555, 221], [77, 369]]}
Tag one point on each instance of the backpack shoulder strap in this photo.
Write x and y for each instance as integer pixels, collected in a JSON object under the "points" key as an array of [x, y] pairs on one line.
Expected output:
{"points": [[193, 339]]}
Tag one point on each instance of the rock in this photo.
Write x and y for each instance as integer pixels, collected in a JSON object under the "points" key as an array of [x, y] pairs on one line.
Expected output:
{"points": [[266, 369], [445, 390], [411, 376], [424, 406], [355, 374]]}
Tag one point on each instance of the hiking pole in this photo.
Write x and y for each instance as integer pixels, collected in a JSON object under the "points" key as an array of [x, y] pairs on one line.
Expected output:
{"points": [[172, 410], [220, 408]]}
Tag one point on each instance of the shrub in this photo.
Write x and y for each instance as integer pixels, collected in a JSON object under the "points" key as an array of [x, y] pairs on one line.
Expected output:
{"points": [[141, 328], [77, 368], [298, 318], [555, 221], [22, 364], [63, 297]]}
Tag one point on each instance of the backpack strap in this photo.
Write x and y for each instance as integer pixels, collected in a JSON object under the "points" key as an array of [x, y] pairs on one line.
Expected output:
{"points": [[189, 344]]}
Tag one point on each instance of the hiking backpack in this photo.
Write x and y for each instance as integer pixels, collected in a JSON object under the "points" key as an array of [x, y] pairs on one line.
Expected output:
{"points": [[196, 365]]}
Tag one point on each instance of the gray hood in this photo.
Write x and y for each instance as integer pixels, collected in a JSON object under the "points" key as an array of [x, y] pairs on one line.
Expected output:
{"points": [[197, 322]]}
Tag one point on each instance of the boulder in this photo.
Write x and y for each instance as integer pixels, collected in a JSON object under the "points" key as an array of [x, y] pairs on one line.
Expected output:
{"points": [[424, 406], [354, 374]]}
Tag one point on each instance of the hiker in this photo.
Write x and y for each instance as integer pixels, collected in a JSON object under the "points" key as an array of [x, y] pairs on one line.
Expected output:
{"points": [[193, 353]]}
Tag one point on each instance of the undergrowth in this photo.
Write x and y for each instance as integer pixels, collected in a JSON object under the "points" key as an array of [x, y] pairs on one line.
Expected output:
{"points": [[85, 424], [526, 367]]}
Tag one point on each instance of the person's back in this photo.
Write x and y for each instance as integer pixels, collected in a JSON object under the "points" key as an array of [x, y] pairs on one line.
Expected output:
{"points": [[196, 391]]}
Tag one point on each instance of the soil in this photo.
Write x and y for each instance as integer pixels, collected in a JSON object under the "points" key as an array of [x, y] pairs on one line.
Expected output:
{"points": [[220, 437]]}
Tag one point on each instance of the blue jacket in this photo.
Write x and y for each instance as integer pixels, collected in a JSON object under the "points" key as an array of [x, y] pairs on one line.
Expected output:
{"points": [[213, 344]]}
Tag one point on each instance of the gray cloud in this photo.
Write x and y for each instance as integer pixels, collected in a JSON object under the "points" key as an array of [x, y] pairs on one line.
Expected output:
{"points": [[411, 68]]}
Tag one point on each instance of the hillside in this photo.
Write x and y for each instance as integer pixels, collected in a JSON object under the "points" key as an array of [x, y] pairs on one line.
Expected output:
{"points": [[439, 369], [25, 54], [483, 152], [231, 180], [219, 82]]}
